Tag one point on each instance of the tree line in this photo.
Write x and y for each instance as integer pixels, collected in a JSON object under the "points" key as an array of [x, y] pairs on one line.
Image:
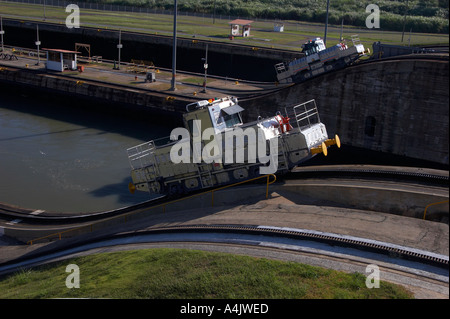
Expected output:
{"points": [[430, 16]]}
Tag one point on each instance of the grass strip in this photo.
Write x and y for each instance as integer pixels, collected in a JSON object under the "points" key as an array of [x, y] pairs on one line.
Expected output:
{"points": [[177, 273]]}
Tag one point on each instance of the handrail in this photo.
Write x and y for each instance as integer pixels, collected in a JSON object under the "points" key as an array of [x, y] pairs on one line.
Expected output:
{"points": [[30, 242], [426, 207]]}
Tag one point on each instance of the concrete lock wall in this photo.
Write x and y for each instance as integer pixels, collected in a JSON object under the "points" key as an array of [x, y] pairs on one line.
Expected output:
{"points": [[398, 107], [225, 59], [118, 95]]}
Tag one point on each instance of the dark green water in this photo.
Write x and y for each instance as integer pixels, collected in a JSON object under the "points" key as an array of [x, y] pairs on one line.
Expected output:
{"points": [[59, 157]]}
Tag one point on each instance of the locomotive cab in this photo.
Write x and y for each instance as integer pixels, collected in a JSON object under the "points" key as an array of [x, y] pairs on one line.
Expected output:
{"points": [[220, 114], [313, 46]]}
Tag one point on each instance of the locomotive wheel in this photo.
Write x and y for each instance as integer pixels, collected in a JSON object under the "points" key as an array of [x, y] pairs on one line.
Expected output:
{"points": [[157, 187], [191, 184]]}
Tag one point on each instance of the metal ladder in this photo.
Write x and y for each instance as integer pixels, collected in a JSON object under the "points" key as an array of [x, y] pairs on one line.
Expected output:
{"points": [[205, 175], [283, 153]]}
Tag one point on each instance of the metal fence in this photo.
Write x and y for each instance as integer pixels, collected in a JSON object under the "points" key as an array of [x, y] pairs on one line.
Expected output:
{"points": [[120, 8]]}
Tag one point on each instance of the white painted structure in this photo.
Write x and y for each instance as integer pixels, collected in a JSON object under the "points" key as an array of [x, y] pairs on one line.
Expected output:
{"points": [[235, 30], [278, 27], [60, 60]]}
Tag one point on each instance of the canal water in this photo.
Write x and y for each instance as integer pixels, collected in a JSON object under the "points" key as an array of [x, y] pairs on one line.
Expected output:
{"points": [[61, 158]]}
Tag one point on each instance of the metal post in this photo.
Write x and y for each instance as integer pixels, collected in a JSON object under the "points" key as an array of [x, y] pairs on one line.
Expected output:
{"points": [[2, 32], [119, 47], [38, 43], [409, 39], [326, 24], [174, 49], [205, 65], [44, 11], [404, 19], [214, 12]]}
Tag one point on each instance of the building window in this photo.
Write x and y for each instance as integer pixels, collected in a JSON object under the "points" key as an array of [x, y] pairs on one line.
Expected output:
{"points": [[53, 56]]}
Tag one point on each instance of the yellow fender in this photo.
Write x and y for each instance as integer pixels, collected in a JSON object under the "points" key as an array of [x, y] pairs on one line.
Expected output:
{"points": [[334, 141], [131, 187], [320, 149]]}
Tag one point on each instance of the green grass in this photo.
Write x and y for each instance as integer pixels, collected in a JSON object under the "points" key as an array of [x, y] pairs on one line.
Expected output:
{"points": [[174, 273], [294, 35]]}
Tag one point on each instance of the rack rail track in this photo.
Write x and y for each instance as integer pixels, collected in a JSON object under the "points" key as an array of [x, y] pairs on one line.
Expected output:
{"points": [[427, 177], [328, 238], [262, 238]]}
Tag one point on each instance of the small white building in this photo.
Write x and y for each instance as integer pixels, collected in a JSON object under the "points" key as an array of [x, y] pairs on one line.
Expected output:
{"points": [[60, 60], [235, 24], [278, 27]]}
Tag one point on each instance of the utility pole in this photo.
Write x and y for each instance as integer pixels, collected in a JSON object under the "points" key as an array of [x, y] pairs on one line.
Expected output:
{"points": [[2, 32], [119, 47], [205, 65], [326, 24], [214, 12], [409, 39], [38, 43], [404, 19], [174, 49]]}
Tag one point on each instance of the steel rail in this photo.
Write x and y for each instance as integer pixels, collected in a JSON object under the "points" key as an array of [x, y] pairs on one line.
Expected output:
{"points": [[370, 172], [163, 205], [229, 234], [337, 171], [329, 238]]}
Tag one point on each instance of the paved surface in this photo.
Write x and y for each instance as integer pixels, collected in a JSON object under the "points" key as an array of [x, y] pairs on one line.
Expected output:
{"points": [[282, 209], [187, 84]]}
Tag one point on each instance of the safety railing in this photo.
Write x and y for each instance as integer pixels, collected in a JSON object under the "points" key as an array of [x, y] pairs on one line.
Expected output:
{"points": [[139, 155], [90, 227], [432, 204], [306, 114]]}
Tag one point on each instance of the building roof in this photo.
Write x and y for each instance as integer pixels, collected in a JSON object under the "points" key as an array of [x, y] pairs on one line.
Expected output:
{"points": [[240, 22], [60, 50]]}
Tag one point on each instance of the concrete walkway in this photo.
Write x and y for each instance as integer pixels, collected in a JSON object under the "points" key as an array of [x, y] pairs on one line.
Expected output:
{"points": [[282, 209], [187, 84]]}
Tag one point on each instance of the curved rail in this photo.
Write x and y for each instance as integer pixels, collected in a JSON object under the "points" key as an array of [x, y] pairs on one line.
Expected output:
{"points": [[163, 205], [329, 238], [427, 178], [263, 237], [433, 177]]}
